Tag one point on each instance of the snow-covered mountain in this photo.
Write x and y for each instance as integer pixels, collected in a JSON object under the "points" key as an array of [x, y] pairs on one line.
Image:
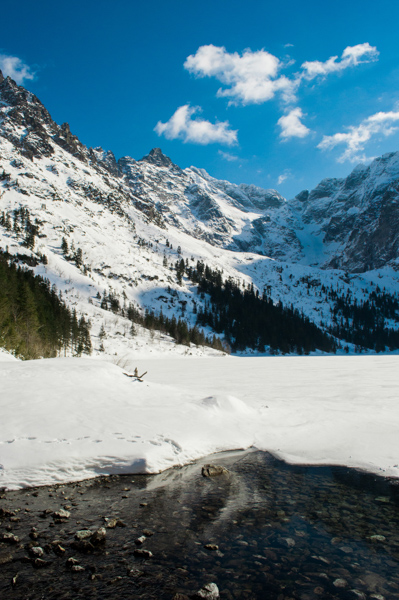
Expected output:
{"points": [[356, 219], [131, 220]]}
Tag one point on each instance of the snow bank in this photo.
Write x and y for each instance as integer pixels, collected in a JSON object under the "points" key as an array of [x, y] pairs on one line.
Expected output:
{"points": [[70, 419], [6, 356]]}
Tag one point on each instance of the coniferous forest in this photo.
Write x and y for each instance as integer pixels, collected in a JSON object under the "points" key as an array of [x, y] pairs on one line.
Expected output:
{"points": [[251, 320], [34, 322], [369, 323]]}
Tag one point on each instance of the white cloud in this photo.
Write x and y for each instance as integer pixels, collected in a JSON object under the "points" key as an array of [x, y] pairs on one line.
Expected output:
{"points": [[252, 77], [351, 57], [291, 125], [357, 137], [282, 178], [15, 68], [227, 156], [255, 77], [182, 126]]}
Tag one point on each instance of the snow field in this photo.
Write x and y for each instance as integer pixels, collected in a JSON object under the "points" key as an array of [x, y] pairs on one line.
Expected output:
{"points": [[70, 419]]}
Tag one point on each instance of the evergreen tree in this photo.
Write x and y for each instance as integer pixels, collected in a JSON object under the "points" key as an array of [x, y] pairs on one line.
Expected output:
{"points": [[64, 246]]}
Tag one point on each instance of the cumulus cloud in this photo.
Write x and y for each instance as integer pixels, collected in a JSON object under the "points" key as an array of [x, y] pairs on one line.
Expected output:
{"points": [[255, 77], [182, 126], [351, 57], [15, 68], [291, 125], [356, 138], [252, 78]]}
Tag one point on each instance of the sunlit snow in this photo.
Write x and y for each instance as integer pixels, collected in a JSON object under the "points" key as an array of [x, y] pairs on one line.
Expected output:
{"points": [[69, 419]]}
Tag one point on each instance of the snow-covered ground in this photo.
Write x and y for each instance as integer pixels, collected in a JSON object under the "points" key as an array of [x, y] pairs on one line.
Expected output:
{"points": [[69, 419]]}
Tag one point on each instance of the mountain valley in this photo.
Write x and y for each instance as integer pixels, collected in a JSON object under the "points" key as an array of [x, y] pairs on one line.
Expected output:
{"points": [[123, 241]]}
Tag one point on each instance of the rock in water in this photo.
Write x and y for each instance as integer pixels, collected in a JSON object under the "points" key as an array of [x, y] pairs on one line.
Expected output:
{"points": [[98, 537], [83, 534], [210, 591], [213, 471]]}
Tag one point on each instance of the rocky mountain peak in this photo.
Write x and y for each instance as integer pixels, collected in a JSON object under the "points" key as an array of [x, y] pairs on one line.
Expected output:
{"points": [[302, 196], [158, 158], [105, 158], [1, 77]]}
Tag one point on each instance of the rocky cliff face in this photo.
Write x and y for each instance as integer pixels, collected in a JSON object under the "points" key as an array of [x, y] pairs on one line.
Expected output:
{"points": [[356, 219], [350, 223], [27, 124]]}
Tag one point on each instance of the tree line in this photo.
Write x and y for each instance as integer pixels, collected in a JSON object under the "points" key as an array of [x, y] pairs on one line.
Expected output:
{"points": [[34, 321], [178, 329], [366, 323], [249, 319]]}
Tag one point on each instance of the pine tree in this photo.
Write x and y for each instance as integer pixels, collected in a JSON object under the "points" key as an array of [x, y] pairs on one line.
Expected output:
{"points": [[64, 247]]}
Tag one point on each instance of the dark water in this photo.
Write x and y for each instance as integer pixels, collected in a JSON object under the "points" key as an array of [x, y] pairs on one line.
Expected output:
{"points": [[276, 532]]}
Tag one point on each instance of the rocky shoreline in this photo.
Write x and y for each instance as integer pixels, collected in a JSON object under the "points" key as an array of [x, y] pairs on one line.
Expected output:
{"points": [[45, 538], [255, 528]]}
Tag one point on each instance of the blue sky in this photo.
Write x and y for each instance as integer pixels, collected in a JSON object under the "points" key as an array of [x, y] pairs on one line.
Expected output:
{"points": [[276, 94]]}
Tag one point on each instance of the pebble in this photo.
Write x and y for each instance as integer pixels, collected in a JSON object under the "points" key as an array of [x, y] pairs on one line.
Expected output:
{"points": [[340, 583], [61, 514], [58, 549], [289, 542], [83, 534], [98, 537], [140, 540], [211, 547], [111, 523], [71, 562], [36, 552], [148, 533], [39, 563], [210, 591], [359, 594]]}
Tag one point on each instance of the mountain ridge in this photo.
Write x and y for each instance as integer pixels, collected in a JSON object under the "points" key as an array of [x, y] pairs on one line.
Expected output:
{"points": [[353, 219]]}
